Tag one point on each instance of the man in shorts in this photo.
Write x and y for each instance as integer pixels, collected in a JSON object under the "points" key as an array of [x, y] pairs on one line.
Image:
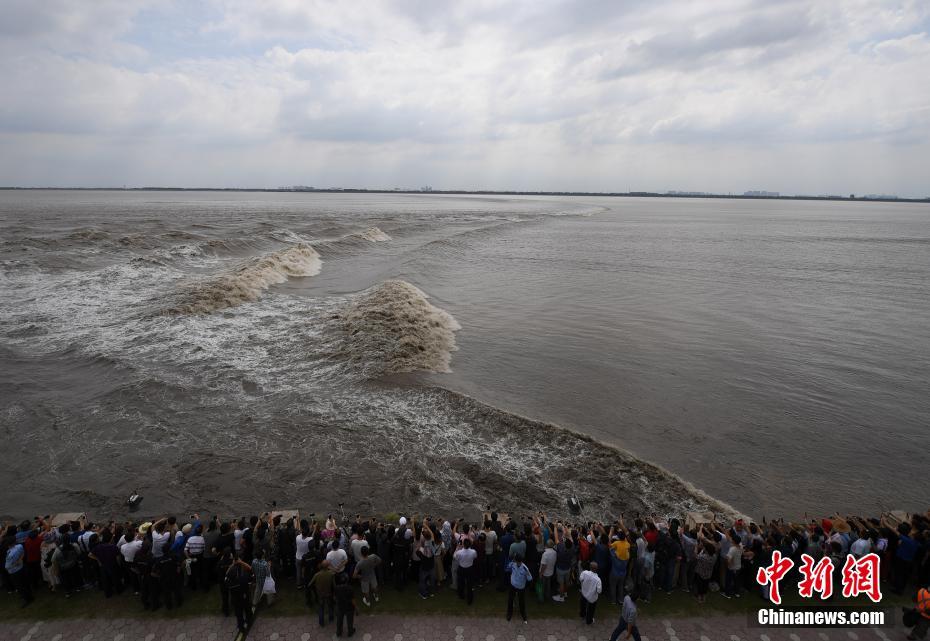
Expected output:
{"points": [[564, 561], [365, 572]]}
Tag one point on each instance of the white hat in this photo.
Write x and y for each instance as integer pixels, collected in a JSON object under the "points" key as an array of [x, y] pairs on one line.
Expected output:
{"points": [[403, 520]]}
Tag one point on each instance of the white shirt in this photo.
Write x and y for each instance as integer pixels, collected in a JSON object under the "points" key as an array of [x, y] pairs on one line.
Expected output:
{"points": [[861, 547], [734, 558], [547, 561], [129, 549], [489, 541], [303, 545], [590, 586], [466, 557], [158, 542], [84, 541], [357, 546], [337, 559]]}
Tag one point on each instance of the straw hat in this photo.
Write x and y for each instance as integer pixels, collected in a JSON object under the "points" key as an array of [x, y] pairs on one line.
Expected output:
{"points": [[145, 527], [841, 526]]}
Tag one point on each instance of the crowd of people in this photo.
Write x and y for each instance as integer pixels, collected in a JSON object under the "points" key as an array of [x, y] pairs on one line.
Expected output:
{"points": [[620, 563]]}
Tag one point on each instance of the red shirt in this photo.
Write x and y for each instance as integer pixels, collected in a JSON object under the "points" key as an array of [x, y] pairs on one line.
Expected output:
{"points": [[33, 547], [584, 549]]}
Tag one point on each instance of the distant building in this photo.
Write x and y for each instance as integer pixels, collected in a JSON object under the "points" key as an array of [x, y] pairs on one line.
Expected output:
{"points": [[762, 194], [427, 188], [687, 193], [879, 197]]}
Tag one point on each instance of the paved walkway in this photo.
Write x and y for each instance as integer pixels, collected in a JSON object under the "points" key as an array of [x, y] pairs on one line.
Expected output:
{"points": [[189, 629], [397, 628]]}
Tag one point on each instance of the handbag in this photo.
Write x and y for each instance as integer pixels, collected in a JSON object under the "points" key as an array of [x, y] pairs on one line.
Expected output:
{"points": [[269, 586]]}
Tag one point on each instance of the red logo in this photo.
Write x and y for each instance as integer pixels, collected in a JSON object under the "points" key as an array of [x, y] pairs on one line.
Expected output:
{"points": [[773, 574], [860, 576], [816, 578]]}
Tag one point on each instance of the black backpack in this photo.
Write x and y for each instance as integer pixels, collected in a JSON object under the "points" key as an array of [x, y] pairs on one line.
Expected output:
{"points": [[233, 579]]}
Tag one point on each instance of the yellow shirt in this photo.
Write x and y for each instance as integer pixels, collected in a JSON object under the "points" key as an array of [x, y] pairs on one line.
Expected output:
{"points": [[622, 549]]}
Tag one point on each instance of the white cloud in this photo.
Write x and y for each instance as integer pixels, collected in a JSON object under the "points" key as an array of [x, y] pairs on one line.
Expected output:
{"points": [[548, 94]]}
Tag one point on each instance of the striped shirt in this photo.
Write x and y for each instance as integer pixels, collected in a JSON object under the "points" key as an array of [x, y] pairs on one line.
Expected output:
{"points": [[195, 545]]}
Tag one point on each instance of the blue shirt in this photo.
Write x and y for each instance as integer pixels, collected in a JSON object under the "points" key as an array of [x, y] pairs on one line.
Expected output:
{"points": [[617, 565], [520, 575], [907, 548], [179, 540], [14, 559], [506, 541]]}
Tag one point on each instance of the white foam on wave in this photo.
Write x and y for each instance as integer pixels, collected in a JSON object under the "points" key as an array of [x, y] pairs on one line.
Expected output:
{"points": [[288, 236], [247, 282], [374, 235], [392, 328]]}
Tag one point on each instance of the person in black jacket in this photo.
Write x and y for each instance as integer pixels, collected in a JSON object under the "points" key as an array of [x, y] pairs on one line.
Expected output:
{"points": [[400, 551], [309, 566], [674, 556], [383, 550], [345, 605], [169, 572], [223, 565], [238, 580]]}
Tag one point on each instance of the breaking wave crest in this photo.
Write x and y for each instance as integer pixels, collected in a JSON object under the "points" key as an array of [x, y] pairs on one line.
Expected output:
{"points": [[352, 242], [374, 235], [392, 328], [247, 282]]}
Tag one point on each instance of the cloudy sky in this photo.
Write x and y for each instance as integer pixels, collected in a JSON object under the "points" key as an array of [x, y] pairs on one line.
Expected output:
{"points": [[807, 96]]}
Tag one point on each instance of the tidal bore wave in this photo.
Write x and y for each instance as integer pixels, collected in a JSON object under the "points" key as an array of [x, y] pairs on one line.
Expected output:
{"points": [[247, 282], [392, 328]]}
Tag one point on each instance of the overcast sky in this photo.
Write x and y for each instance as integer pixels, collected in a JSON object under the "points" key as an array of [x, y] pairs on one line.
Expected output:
{"points": [[608, 95]]}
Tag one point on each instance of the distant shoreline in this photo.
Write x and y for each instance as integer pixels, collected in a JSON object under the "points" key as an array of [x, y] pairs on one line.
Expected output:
{"points": [[459, 192]]}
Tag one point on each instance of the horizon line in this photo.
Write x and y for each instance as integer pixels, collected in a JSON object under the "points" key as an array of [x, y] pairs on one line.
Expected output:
{"points": [[505, 192]]}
